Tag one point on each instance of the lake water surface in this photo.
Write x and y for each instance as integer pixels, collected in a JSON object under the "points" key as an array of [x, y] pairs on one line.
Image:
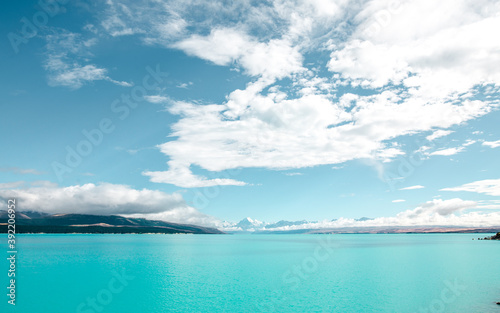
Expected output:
{"points": [[254, 273]]}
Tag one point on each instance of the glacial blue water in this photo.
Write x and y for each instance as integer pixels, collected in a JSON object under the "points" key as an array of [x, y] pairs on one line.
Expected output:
{"points": [[254, 273]]}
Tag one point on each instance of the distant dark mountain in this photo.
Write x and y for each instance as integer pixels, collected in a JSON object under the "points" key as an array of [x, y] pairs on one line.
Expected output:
{"points": [[24, 215], [363, 219], [34, 222]]}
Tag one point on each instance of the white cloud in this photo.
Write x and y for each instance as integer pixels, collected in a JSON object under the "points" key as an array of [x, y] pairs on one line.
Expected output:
{"points": [[418, 77], [492, 144], [434, 59], [75, 76], [104, 199], [157, 99], [448, 151], [184, 85], [11, 185], [489, 187], [273, 59], [398, 201], [221, 46], [120, 83], [180, 175], [412, 187], [468, 142], [294, 174], [438, 134], [440, 207], [438, 212], [115, 23], [18, 170], [253, 129], [184, 215], [419, 92], [64, 53]]}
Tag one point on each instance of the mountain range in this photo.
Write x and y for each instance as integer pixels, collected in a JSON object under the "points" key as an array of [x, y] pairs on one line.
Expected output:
{"points": [[36, 222], [249, 225]]}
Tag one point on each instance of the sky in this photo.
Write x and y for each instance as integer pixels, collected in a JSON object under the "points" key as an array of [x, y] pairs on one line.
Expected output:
{"points": [[204, 112]]}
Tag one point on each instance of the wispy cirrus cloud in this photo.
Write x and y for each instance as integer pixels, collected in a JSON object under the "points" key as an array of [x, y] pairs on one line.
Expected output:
{"points": [[11, 185], [413, 187], [448, 151], [489, 187], [65, 54], [18, 170], [452, 150]]}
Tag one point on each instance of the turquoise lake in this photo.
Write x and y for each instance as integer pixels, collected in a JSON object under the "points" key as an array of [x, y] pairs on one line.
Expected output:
{"points": [[254, 273]]}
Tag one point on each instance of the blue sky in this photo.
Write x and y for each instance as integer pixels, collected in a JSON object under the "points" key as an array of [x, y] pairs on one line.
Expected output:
{"points": [[276, 110]]}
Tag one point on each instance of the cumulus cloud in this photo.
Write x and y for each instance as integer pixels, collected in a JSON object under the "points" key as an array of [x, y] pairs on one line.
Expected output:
{"points": [[434, 59], [272, 59], [268, 130], [492, 144], [411, 91], [221, 46], [415, 77], [185, 215], [437, 212], [489, 187], [104, 199], [438, 134], [438, 206]]}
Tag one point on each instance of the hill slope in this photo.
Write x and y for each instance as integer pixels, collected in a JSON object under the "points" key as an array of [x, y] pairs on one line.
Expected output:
{"points": [[34, 222]]}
